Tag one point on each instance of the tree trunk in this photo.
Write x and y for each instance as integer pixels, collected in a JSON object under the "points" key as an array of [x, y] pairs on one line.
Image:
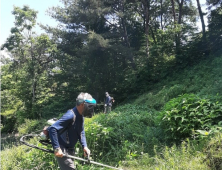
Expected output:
{"points": [[146, 13], [125, 35], [33, 81], [173, 11], [152, 33], [161, 15], [201, 18], [180, 11], [179, 22]]}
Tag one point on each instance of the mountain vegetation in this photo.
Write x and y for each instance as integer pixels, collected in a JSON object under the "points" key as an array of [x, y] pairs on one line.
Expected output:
{"points": [[164, 74]]}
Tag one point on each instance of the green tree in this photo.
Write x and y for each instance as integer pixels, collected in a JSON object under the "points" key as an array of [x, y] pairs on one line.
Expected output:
{"points": [[93, 43], [201, 14], [112, 44], [32, 58]]}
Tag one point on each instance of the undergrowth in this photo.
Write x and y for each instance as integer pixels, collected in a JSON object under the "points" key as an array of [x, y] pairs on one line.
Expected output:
{"points": [[133, 136]]}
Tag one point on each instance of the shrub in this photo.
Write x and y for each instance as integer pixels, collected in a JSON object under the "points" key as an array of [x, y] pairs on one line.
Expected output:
{"points": [[105, 142], [120, 134], [97, 138], [187, 113], [10, 158], [31, 126]]}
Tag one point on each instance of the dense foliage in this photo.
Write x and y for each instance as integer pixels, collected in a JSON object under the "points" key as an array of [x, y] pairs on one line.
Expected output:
{"points": [[188, 113]]}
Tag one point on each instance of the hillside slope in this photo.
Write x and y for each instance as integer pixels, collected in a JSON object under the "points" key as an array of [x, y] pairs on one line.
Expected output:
{"points": [[130, 136], [203, 79]]}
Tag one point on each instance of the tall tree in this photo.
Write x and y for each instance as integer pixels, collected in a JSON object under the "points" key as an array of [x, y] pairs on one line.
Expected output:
{"points": [[31, 56], [96, 29], [201, 18], [146, 6], [121, 34]]}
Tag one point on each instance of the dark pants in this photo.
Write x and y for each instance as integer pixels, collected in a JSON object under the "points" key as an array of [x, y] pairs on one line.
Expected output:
{"points": [[64, 162], [107, 109]]}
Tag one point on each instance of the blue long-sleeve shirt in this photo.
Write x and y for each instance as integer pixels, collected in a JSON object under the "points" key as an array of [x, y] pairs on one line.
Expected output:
{"points": [[73, 132], [108, 101]]}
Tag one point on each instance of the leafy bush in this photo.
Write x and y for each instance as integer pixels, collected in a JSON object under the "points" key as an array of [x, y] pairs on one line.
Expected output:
{"points": [[187, 113], [8, 124], [120, 134], [10, 158], [31, 126], [97, 137], [10, 107], [103, 143]]}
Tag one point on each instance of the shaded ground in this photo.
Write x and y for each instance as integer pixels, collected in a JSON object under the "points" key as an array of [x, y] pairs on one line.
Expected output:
{"points": [[8, 140]]}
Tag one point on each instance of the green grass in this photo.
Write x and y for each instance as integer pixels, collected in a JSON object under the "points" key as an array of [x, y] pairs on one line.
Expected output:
{"points": [[123, 151], [130, 136], [204, 79]]}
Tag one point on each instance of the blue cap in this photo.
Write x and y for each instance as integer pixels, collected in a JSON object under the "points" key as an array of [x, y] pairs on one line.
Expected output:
{"points": [[85, 97], [92, 101]]}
